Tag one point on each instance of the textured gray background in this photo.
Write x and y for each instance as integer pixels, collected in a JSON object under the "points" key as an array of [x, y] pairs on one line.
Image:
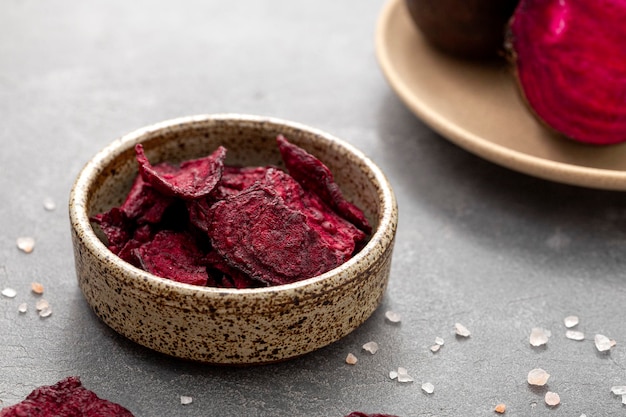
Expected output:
{"points": [[495, 250]]}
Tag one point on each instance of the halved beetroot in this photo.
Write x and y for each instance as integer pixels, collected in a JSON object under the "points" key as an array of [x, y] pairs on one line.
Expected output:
{"points": [[570, 58]]}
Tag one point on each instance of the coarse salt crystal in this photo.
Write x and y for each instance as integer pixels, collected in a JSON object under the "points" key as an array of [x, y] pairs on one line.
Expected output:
{"points": [[602, 342], [41, 304], [461, 330], [9, 292], [403, 376], [538, 377], [552, 398], [500, 408], [371, 347], [623, 399], [22, 308], [619, 389], [539, 336], [184, 400], [571, 321], [351, 359], [393, 374], [439, 341], [435, 348], [46, 312], [36, 287], [428, 388], [49, 204], [393, 316], [574, 335], [25, 244]]}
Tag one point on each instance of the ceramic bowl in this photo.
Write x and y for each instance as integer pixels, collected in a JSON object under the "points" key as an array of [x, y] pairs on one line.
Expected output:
{"points": [[230, 326]]}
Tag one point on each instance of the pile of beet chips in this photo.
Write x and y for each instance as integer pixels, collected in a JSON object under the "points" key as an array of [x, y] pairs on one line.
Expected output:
{"points": [[209, 224]]}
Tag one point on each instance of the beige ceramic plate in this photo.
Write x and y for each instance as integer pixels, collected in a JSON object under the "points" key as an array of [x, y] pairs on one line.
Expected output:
{"points": [[478, 107]]}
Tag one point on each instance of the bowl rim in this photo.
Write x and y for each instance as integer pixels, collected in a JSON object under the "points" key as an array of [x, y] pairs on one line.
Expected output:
{"points": [[383, 236]]}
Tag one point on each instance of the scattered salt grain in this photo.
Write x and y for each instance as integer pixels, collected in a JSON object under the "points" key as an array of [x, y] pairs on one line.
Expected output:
{"points": [[403, 376], [461, 330], [538, 377], [439, 341], [42, 304], [619, 389], [539, 336], [37, 288], [624, 399], [575, 335], [500, 408], [428, 388], [49, 204], [46, 312], [184, 400], [603, 343], [351, 359], [9, 292], [393, 374], [613, 343], [25, 244], [393, 317], [371, 347], [571, 321], [22, 308], [435, 348], [552, 398]]}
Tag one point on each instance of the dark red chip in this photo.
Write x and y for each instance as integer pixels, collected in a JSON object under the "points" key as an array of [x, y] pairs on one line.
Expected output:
{"points": [[314, 176], [258, 234], [66, 398], [116, 226], [226, 276], [340, 235], [195, 178], [173, 255], [237, 179], [144, 204]]}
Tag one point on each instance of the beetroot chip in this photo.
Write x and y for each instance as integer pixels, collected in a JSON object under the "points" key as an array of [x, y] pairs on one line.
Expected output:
{"points": [[314, 176], [236, 179], [258, 234], [144, 204], [195, 178], [339, 234], [173, 255], [227, 276], [116, 226], [66, 398]]}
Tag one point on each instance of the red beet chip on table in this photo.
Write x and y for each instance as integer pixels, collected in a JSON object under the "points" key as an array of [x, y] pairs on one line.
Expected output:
{"points": [[66, 398]]}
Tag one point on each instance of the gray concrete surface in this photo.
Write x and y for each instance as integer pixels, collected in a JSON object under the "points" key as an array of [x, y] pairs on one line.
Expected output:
{"points": [[497, 251]]}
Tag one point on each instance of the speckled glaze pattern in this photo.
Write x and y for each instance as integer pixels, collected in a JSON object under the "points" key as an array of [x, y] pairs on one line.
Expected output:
{"points": [[228, 326]]}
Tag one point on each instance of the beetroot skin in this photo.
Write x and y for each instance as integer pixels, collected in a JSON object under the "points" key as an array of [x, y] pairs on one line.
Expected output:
{"points": [[570, 57], [66, 398]]}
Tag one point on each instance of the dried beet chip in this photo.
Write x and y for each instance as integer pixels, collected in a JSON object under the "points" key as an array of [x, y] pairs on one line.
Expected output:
{"points": [[258, 234], [339, 234], [195, 178], [144, 204], [199, 212], [173, 255], [142, 234], [314, 176], [227, 276], [116, 226], [66, 398], [236, 179]]}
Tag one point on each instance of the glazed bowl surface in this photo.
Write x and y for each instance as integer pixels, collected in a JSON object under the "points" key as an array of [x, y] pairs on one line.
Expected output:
{"points": [[230, 326]]}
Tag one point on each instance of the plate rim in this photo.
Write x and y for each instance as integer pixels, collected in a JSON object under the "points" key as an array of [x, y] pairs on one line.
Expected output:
{"points": [[561, 172]]}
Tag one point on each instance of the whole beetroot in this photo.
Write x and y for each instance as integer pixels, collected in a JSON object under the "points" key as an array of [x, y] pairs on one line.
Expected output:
{"points": [[570, 60]]}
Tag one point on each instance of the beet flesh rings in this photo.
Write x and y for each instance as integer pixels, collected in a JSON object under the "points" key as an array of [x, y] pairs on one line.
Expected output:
{"points": [[204, 223], [66, 398], [570, 58]]}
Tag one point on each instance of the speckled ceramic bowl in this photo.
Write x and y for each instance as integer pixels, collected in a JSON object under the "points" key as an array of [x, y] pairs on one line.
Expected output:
{"points": [[229, 326]]}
